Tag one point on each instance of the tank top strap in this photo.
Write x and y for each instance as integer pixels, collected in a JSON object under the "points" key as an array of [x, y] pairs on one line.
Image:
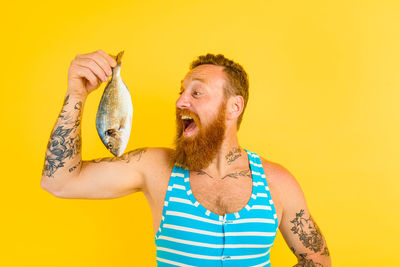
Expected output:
{"points": [[261, 184], [175, 188], [256, 167], [176, 181]]}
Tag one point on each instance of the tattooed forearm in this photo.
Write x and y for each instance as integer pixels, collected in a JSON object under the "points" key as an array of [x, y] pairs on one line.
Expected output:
{"points": [[233, 155], [65, 140], [243, 173], [134, 154], [311, 237]]}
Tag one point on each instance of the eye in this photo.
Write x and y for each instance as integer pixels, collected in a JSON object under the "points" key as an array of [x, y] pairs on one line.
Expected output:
{"points": [[196, 93]]}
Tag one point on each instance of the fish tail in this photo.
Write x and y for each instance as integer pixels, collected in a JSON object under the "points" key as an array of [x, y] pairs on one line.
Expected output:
{"points": [[118, 57]]}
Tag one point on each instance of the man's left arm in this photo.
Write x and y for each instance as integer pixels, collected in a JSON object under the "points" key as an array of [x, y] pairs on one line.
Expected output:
{"points": [[298, 227]]}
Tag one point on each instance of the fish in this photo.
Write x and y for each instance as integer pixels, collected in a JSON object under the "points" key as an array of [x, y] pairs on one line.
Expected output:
{"points": [[114, 114]]}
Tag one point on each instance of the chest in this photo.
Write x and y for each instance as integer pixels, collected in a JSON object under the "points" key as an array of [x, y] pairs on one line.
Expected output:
{"points": [[228, 195]]}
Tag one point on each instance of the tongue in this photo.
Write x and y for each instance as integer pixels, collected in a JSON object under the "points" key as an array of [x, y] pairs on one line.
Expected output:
{"points": [[191, 126]]}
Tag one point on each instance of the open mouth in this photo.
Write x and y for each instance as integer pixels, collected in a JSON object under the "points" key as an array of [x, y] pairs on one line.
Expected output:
{"points": [[189, 126]]}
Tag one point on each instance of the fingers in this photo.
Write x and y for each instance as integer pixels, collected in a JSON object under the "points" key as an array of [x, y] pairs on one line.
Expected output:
{"points": [[99, 62], [109, 59], [88, 75], [94, 66]]}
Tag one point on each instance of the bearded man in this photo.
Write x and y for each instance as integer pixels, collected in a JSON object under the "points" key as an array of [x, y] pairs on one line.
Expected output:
{"points": [[213, 202]]}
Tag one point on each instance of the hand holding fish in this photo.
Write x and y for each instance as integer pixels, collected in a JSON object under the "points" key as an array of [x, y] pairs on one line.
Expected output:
{"points": [[88, 71]]}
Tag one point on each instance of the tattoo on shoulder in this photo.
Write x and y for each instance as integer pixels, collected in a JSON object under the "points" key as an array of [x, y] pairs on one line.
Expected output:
{"points": [[233, 155], [126, 157]]}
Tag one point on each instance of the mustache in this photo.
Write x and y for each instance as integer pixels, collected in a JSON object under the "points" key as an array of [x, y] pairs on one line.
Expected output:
{"points": [[186, 112]]}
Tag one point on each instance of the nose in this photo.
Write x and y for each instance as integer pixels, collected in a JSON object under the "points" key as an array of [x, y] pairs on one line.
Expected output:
{"points": [[183, 101]]}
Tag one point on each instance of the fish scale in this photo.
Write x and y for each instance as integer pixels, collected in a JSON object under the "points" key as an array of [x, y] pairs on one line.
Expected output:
{"points": [[114, 114]]}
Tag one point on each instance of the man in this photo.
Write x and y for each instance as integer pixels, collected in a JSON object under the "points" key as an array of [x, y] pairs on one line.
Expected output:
{"points": [[213, 202]]}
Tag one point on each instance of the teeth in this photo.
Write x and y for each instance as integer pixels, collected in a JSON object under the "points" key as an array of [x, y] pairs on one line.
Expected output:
{"points": [[184, 117]]}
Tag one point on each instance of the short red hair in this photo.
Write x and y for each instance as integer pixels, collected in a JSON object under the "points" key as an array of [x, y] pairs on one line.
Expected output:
{"points": [[237, 80]]}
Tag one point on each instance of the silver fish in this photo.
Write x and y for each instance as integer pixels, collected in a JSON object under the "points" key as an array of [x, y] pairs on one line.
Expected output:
{"points": [[114, 115]]}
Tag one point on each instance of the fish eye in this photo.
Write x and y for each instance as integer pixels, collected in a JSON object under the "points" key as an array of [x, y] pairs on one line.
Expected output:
{"points": [[109, 145]]}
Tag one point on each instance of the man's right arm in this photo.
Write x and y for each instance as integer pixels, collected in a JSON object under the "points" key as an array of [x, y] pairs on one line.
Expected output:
{"points": [[65, 174], [112, 177]]}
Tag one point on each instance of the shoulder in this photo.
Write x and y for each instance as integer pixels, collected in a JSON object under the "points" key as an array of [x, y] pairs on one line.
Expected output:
{"points": [[163, 153], [156, 165], [277, 174], [155, 158], [282, 182]]}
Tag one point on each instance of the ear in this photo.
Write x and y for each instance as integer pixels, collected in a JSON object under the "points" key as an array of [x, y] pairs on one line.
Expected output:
{"points": [[234, 107]]}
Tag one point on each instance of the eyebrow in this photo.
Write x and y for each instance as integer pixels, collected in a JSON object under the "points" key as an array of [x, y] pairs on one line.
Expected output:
{"points": [[194, 79]]}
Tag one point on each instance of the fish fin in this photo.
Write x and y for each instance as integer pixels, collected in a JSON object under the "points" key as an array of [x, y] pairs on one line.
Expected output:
{"points": [[118, 57]]}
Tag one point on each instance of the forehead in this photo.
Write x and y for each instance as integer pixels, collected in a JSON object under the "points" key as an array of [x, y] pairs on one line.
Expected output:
{"points": [[211, 75]]}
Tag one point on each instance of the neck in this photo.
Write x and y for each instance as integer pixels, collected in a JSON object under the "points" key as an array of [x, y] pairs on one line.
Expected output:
{"points": [[230, 156]]}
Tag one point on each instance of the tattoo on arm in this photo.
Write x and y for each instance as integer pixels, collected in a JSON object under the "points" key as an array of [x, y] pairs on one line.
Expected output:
{"points": [[74, 167], [64, 142], [233, 155], [308, 232], [305, 262], [134, 154], [310, 236]]}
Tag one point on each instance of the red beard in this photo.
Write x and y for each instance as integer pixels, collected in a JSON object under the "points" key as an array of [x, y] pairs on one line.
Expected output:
{"points": [[198, 151]]}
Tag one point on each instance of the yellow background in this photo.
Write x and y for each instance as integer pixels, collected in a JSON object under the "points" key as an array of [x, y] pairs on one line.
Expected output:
{"points": [[324, 94]]}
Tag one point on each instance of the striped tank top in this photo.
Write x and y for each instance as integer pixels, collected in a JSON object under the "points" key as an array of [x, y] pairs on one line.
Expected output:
{"points": [[191, 235]]}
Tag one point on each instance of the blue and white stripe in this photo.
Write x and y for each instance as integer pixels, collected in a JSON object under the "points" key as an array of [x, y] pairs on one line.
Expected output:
{"points": [[191, 235]]}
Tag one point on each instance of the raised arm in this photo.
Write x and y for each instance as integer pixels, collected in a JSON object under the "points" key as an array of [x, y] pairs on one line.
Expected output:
{"points": [[64, 173], [298, 227]]}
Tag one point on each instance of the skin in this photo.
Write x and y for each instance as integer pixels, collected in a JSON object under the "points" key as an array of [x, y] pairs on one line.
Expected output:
{"points": [[224, 186], [229, 164], [202, 99]]}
